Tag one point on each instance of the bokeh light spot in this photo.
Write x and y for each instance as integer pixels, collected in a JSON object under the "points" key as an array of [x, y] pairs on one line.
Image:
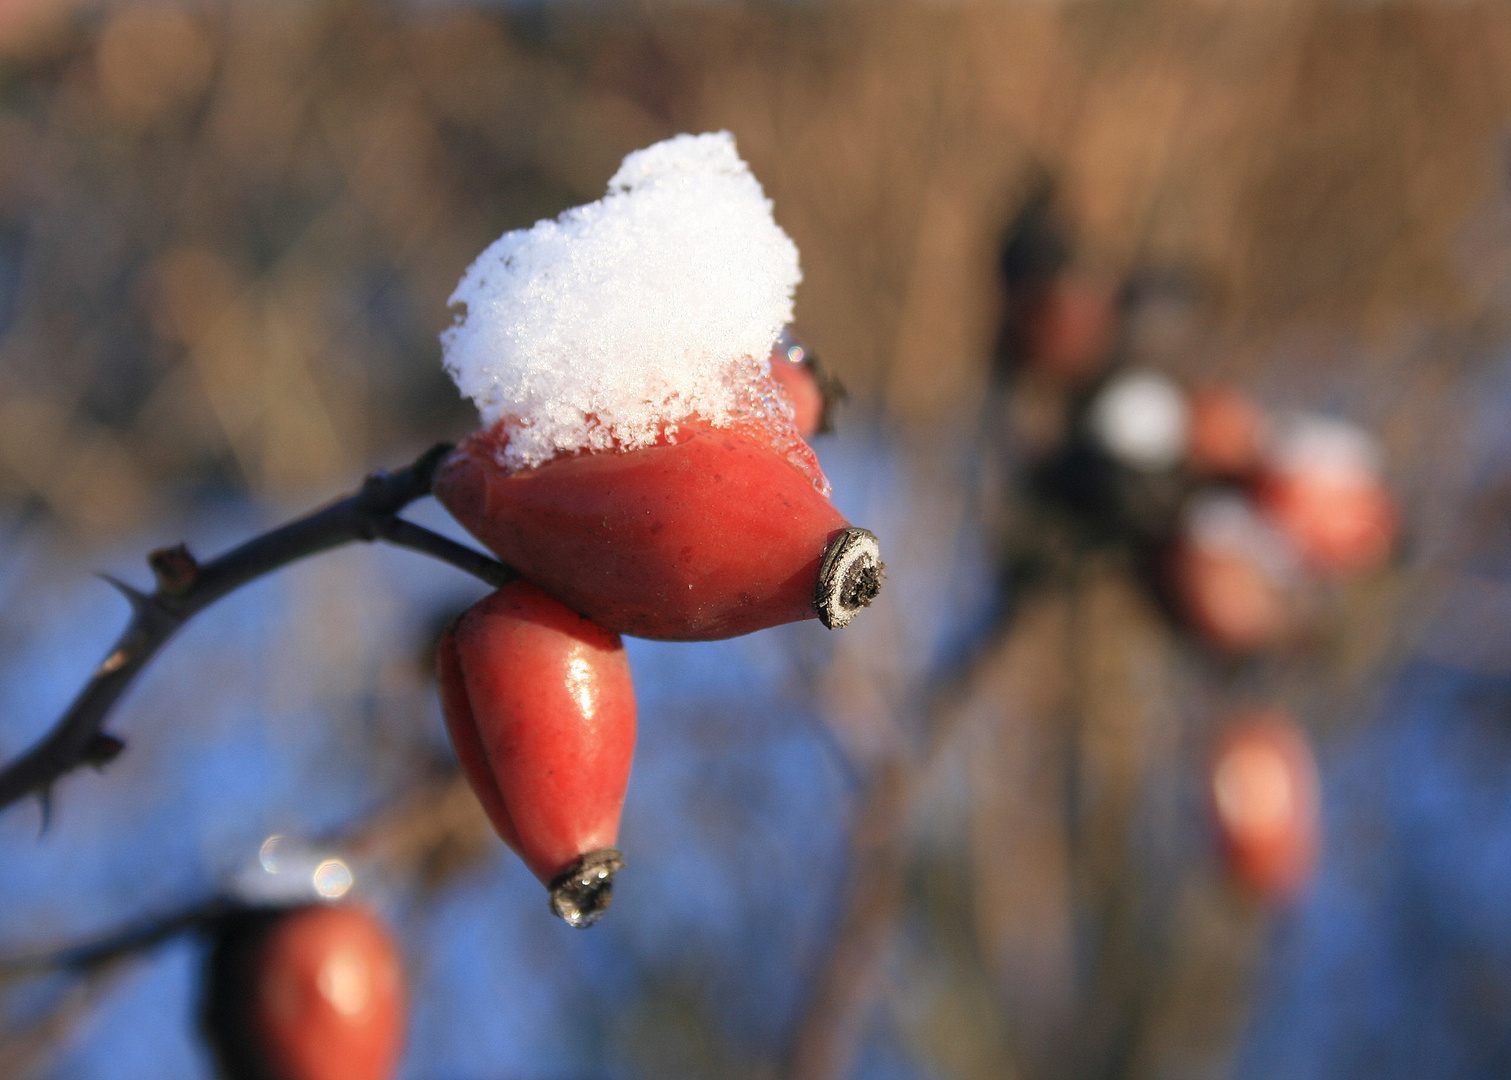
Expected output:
{"points": [[332, 879]]}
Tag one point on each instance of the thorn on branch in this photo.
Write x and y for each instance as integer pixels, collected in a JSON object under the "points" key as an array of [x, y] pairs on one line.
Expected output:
{"points": [[134, 596], [175, 568], [44, 804], [185, 587], [102, 749]]}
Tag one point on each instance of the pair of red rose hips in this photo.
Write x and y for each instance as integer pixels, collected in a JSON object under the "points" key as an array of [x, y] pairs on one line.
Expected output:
{"points": [[1309, 506], [1318, 479], [306, 993], [712, 532]]}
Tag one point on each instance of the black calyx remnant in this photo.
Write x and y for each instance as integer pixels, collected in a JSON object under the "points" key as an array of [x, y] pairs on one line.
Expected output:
{"points": [[582, 892], [849, 578]]}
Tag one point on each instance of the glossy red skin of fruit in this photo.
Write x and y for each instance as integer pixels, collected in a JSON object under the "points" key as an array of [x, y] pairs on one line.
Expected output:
{"points": [[802, 389], [711, 536], [1266, 801], [1230, 599], [328, 996], [541, 711], [1341, 525]]}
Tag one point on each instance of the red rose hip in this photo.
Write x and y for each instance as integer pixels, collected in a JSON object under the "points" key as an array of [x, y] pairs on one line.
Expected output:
{"points": [[1343, 524], [812, 391], [541, 711], [311, 993], [1265, 798], [1234, 576], [1229, 599], [711, 533], [638, 460], [1321, 485], [1071, 327], [1226, 432], [802, 388]]}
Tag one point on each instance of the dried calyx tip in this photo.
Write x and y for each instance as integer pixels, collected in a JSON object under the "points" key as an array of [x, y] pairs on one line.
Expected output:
{"points": [[582, 892], [849, 578]]}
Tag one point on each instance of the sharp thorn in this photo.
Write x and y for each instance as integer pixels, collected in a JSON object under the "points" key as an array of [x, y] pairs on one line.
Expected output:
{"points": [[134, 596], [44, 798], [102, 748]]}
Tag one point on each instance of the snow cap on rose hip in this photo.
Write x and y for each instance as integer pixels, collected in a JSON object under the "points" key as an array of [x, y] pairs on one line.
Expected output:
{"points": [[604, 327], [1236, 577], [1140, 419], [638, 462], [1322, 445], [1321, 482]]}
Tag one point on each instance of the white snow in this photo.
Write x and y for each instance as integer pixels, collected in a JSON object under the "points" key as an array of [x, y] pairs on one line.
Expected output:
{"points": [[1224, 522], [1324, 447], [1142, 419], [619, 319]]}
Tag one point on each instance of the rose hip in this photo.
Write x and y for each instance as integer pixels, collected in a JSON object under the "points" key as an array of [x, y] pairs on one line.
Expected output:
{"points": [[1342, 524], [801, 386], [1265, 798], [541, 711], [1229, 599], [1071, 327], [310, 993], [711, 533], [1321, 485], [1234, 575], [812, 391], [1226, 432]]}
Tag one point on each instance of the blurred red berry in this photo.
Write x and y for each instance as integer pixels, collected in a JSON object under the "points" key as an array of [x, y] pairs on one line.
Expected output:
{"points": [[1234, 576], [800, 383], [311, 993], [541, 711], [1226, 432], [1321, 486], [710, 533], [1265, 798], [1342, 525]]}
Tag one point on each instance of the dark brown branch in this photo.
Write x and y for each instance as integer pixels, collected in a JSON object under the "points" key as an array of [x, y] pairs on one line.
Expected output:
{"points": [[87, 958], [185, 587]]}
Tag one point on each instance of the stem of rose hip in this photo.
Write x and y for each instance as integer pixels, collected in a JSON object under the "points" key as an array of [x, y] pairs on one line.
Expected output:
{"points": [[186, 586]]}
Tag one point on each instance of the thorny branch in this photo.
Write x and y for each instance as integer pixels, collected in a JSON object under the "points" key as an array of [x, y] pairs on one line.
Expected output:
{"points": [[185, 587]]}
